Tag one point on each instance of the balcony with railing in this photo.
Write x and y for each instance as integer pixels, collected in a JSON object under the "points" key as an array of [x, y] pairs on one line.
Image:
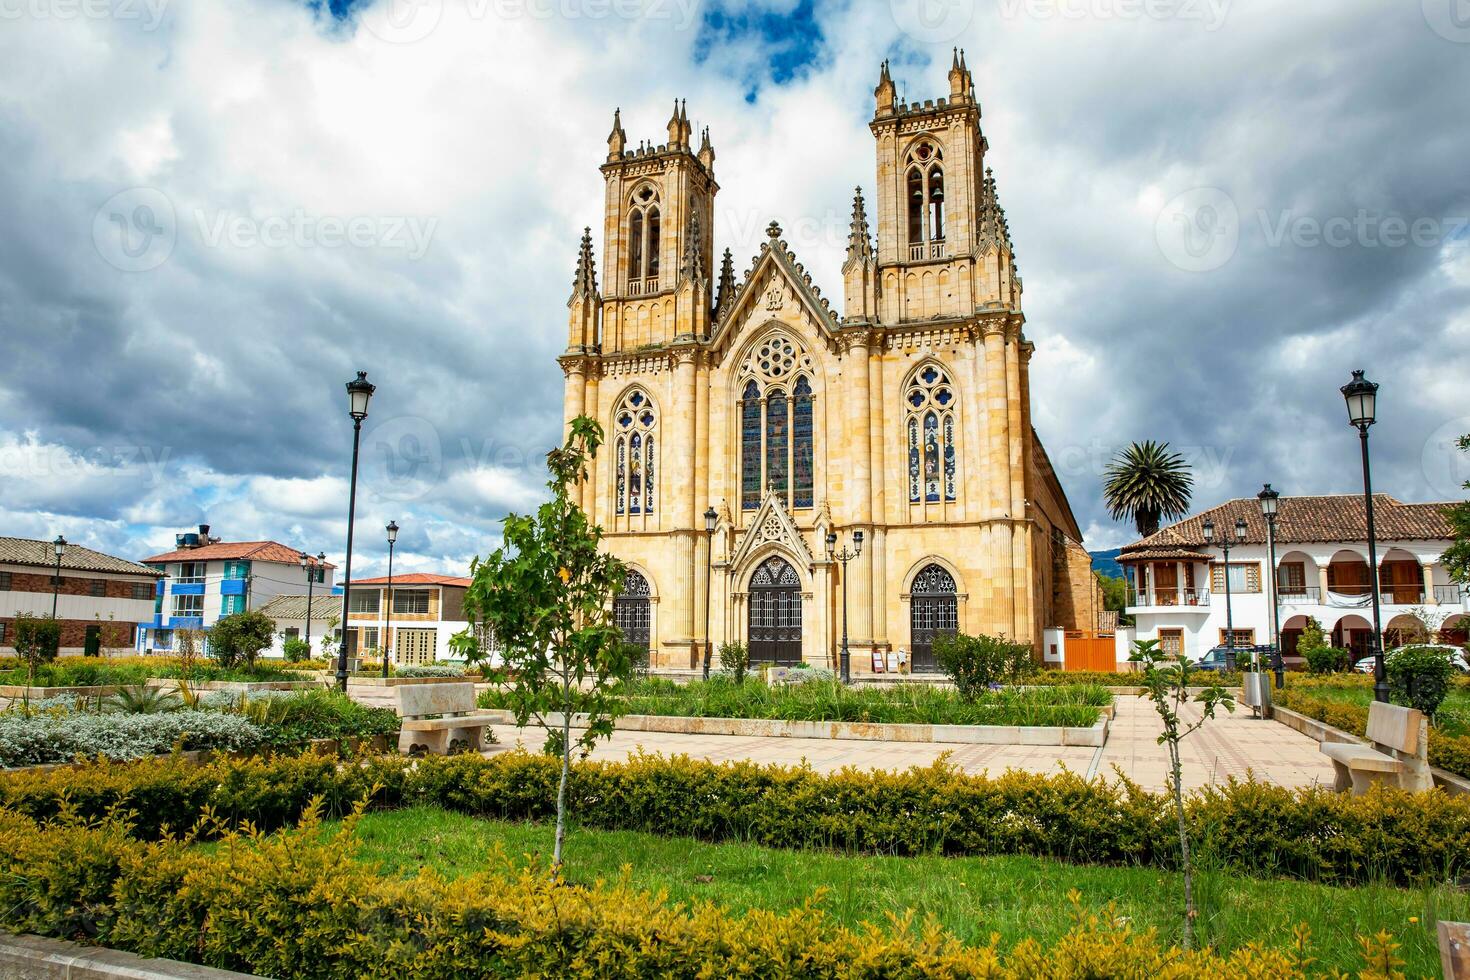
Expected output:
{"points": [[1184, 599], [1299, 595], [924, 251], [1450, 595], [643, 287]]}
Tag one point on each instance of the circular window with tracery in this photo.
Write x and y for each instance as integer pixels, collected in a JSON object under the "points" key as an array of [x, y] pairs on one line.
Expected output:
{"points": [[777, 358]]}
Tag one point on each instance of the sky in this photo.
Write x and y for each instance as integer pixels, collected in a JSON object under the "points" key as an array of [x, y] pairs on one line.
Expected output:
{"points": [[215, 213]]}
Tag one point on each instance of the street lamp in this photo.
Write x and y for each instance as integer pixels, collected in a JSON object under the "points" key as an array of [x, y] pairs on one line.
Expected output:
{"points": [[1361, 396], [59, 545], [1268, 499], [388, 628], [1240, 529], [843, 557], [711, 519], [306, 563], [359, 393]]}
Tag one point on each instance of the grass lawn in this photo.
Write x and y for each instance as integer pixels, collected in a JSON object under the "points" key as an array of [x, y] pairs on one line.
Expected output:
{"points": [[1015, 897], [822, 700], [1453, 717]]}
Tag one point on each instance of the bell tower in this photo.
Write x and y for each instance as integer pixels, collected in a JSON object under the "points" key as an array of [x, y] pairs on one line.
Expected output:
{"points": [[657, 234], [942, 247]]}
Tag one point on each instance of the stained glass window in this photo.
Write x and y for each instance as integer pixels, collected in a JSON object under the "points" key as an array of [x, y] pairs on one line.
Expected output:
{"points": [[635, 473], [634, 470], [750, 447], [777, 435], [930, 436], [801, 454]]}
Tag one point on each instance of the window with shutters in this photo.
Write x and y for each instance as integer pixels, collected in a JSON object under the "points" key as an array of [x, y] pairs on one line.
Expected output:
{"points": [[1291, 578], [412, 602], [1244, 577]]}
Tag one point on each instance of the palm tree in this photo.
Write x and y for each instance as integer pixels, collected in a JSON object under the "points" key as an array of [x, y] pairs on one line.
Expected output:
{"points": [[1148, 483]]}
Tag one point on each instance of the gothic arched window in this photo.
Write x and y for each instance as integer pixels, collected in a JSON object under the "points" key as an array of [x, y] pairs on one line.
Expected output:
{"points": [[633, 426], [643, 239], [930, 435], [924, 190], [776, 426]]}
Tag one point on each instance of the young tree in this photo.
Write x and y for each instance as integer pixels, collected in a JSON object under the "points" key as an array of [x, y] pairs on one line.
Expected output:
{"points": [[37, 639], [1166, 681], [186, 645], [1457, 557], [546, 595], [237, 639], [1148, 483]]}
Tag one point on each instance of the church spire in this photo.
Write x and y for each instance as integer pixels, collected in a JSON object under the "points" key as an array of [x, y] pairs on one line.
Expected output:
{"points": [[706, 150], [859, 244], [675, 127], [584, 283], [692, 267], [885, 91], [725, 295], [617, 139]]}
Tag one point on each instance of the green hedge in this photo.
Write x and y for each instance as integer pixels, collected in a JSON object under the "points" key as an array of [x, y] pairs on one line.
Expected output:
{"points": [[1448, 752], [1259, 829], [299, 905], [1229, 678]]}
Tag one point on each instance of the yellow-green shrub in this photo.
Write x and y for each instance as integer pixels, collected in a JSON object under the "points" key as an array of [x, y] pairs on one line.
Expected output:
{"points": [[1254, 828], [1448, 752], [300, 905]]}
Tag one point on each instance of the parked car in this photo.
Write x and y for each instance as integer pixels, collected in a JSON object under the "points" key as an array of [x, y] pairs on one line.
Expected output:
{"points": [[1456, 655], [1215, 659]]}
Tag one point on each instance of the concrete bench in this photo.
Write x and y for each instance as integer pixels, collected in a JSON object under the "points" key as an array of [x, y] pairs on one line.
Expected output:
{"points": [[1396, 753], [440, 719]]}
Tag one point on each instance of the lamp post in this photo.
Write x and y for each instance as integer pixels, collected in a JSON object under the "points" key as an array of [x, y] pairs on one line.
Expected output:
{"points": [[1268, 499], [711, 519], [306, 563], [843, 557], [1361, 396], [388, 627], [359, 393], [59, 545]]}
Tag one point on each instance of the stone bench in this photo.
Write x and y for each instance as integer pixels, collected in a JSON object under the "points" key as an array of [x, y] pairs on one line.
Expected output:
{"points": [[1396, 753], [440, 719]]}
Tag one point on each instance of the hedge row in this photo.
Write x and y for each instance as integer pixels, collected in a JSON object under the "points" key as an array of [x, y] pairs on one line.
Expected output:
{"points": [[1256, 828], [1448, 752], [298, 905], [1228, 678]]}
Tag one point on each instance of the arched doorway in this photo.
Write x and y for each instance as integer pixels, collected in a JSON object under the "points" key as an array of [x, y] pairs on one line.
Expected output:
{"points": [[933, 611], [1455, 630], [775, 614], [1351, 633], [631, 610]]}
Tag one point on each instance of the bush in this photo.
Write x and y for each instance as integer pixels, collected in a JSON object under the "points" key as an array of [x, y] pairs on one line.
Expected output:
{"points": [[37, 639], [296, 650], [975, 663], [300, 905], [429, 670], [1122, 678], [1419, 677], [735, 657], [1324, 659], [53, 737], [1251, 828], [237, 639]]}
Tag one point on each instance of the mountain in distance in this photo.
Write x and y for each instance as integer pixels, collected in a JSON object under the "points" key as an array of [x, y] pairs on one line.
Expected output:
{"points": [[1106, 562]]}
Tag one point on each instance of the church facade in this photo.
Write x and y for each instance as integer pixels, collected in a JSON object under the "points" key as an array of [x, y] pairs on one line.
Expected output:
{"points": [[752, 406]]}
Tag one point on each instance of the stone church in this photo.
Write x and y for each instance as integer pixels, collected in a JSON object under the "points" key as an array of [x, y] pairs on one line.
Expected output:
{"points": [[750, 405]]}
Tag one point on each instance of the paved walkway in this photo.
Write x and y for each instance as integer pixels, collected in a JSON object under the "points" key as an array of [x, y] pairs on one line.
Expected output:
{"points": [[1227, 746]]}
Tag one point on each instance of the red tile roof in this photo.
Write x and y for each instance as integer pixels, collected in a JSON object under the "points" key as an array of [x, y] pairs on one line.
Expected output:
{"points": [[74, 557], [415, 578], [237, 551], [1305, 520]]}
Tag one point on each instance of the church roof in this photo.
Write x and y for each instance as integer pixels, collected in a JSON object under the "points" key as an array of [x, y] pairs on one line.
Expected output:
{"points": [[775, 252]]}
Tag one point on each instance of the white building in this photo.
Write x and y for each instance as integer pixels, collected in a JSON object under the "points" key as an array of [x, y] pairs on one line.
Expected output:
{"points": [[290, 615], [209, 578], [1177, 579], [99, 599], [427, 610]]}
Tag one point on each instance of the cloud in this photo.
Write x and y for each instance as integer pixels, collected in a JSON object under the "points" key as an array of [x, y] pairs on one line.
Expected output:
{"points": [[213, 220]]}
